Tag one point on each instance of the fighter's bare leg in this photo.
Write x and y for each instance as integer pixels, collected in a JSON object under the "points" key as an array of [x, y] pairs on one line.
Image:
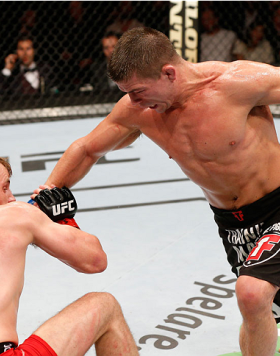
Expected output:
{"points": [[96, 318], [258, 334]]}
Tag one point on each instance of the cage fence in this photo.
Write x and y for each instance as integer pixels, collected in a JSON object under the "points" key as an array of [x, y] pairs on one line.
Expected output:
{"points": [[54, 53]]}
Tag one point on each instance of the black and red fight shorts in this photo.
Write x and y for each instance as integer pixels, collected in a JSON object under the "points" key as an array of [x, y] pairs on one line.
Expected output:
{"points": [[251, 238], [33, 346]]}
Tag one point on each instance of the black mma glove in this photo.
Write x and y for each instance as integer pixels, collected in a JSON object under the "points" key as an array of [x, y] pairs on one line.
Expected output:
{"points": [[59, 204]]}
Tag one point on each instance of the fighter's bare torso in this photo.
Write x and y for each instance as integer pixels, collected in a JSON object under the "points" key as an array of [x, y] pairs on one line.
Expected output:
{"points": [[13, 242], [227, 146], [234, 164]]}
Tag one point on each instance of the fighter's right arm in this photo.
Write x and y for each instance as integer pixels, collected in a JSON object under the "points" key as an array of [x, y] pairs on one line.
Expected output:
{"points": [[112, 133], [25, 224]]}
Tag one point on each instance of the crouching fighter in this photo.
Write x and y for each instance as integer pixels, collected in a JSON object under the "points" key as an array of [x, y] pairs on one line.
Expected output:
{"points": [[95, 318]]}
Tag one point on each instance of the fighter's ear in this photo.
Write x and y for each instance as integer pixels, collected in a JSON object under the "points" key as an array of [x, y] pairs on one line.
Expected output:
{"points": [[170, 71]]}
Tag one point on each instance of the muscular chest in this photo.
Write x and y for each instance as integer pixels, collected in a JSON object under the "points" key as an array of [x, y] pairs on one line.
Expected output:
{"points": [[198, 133]]}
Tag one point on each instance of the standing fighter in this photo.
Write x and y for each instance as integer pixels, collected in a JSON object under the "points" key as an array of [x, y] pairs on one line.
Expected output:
{"points": [[96, 318], [212, 118]]}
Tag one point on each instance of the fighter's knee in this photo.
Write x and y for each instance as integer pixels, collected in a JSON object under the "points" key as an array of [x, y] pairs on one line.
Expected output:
{"points": [[111, 302], [253, 295], [101, 300], [105, 306], [245, 291]]}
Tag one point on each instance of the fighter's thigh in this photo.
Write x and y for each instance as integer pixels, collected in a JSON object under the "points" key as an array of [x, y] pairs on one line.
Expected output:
{"points": [[73, 330]]}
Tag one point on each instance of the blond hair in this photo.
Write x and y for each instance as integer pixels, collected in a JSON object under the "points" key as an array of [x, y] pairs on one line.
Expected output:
{"points": [[7, 165]]}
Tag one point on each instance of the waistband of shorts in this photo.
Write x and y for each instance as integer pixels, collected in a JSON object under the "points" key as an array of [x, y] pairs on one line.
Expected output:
{"points": [[255, 210], [7, 345]]}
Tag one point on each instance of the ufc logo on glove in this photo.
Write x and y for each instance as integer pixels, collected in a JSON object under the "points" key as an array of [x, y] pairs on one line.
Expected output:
{"points": [[59, 204], [61, 208]]}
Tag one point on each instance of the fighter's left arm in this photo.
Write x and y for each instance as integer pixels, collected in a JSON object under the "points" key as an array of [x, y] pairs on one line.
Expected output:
{"points": [[255, 83], [78, 249]]}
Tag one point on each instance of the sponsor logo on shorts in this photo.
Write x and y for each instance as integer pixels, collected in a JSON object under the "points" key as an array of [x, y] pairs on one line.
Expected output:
{"points": [[243, 241], [7, 347], [238, 215], [267, 247]]}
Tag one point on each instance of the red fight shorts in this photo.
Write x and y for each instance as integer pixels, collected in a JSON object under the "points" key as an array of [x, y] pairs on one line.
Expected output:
{"points": [[33, 346]]}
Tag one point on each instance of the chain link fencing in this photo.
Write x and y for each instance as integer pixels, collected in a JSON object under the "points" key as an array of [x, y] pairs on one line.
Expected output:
{"points": [[245, 30], [71, 41], [240, 30]]}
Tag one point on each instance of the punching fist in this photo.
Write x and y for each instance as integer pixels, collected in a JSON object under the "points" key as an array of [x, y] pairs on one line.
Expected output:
{"points": [[59, 204]]}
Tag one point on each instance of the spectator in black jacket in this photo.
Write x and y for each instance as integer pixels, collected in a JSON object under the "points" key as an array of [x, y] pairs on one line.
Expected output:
{"points": [[22, 75], [94, 72]]}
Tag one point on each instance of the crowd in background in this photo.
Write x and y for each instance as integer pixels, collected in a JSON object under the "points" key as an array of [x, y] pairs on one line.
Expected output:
{"points": [[70, 40], [246, 30], [55, 48]]}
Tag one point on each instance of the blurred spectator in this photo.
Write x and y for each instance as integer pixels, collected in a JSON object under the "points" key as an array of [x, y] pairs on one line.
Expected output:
{"points": [[31, 24], [276, 20], [21, 74], [250, 14], [124, 18], [216, 42], [109, 42], [275, 32], [67, 36], [274, 4], [28, 23], [102, 84], [206, 4], [106, 84], [256, 48], [81, 65], [73, 34], [237, 15], [160, 10]]}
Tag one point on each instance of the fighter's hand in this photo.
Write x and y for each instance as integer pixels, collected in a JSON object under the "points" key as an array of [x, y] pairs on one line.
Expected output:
{"points": [[59, 204], [10, 61], [37, 191]]}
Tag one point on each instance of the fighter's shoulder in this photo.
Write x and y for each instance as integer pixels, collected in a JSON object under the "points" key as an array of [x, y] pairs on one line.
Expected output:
{"points": [[124, 108], [225, 75], [245, 70], [237, 81], [15, 222], [125, 102], [13, 207], [219, 69], [16, 213], [126, 115]]}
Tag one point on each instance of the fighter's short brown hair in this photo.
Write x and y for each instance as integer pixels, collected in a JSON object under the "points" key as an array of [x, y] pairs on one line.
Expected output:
{"points": [[142, 51], [7, 165]]}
